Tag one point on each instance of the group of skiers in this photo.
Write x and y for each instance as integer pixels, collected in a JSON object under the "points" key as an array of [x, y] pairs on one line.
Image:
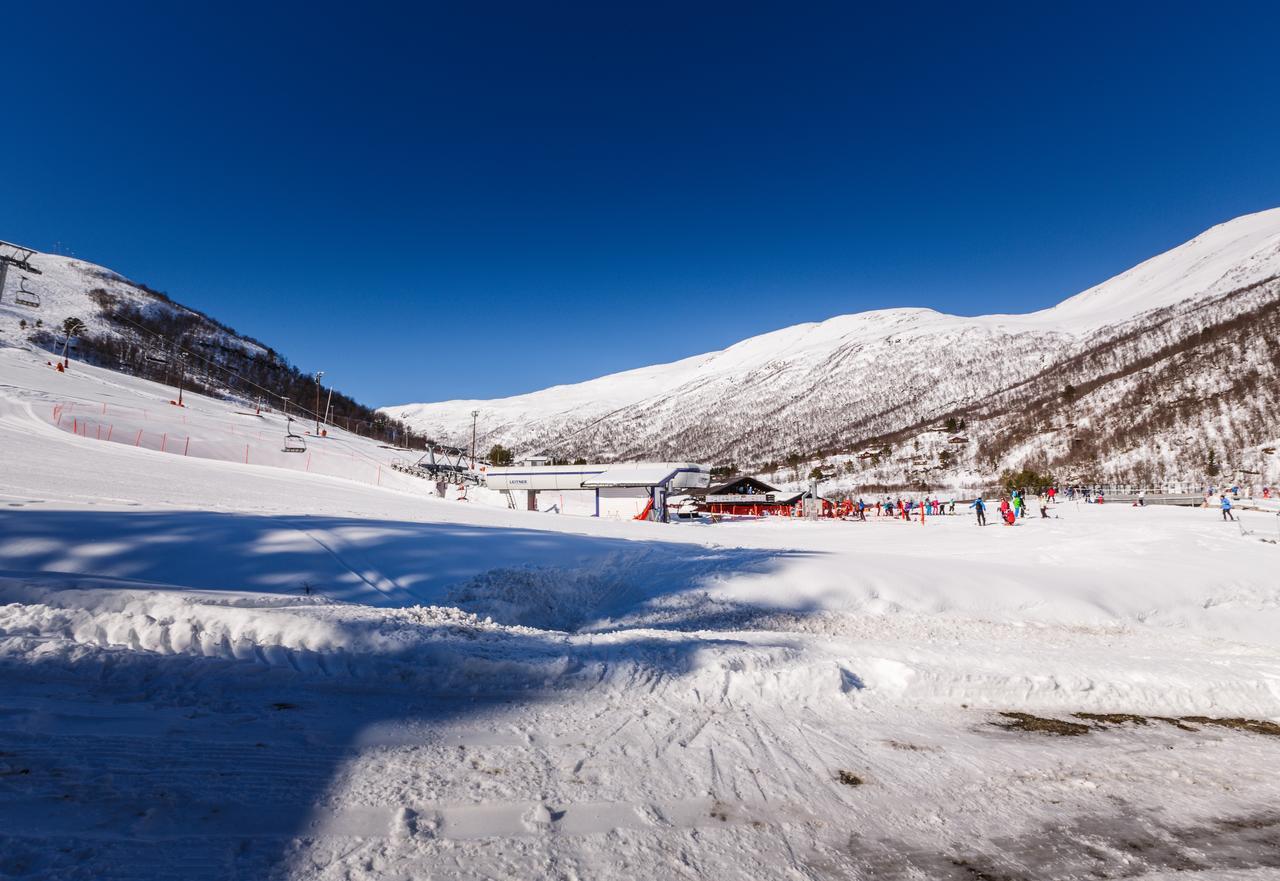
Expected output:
{"points": [[903, 509], [1013, 506]]}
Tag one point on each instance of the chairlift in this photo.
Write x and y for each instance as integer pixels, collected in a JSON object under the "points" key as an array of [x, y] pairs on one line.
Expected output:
{"points": [[156, 354], [25, 297], [293, 443]]}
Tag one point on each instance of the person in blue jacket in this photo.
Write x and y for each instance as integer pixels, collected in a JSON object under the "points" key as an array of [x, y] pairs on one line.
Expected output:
{"points": [[1226, 508], [980, 507]]}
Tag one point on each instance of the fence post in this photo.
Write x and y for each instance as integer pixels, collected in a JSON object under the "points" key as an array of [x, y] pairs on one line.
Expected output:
{"points": [[246, 454], [75, 426], [138, 442], [99, 431], [110, 428], [187, 447], [164, 441]]}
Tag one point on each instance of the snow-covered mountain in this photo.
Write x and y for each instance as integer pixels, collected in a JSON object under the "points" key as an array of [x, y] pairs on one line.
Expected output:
{"points": [[139, 320], [135, 329], [829, 389]]}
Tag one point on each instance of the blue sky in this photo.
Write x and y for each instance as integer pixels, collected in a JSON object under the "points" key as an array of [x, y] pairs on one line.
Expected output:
{"points": [[433, 201]]}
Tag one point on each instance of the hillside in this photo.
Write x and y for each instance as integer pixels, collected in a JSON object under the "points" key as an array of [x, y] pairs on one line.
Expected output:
{"points": [[135, 329], [1178, 345]]}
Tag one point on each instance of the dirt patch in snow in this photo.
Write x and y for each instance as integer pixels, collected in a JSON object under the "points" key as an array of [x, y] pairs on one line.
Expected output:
{"points": [[1253, 726], [848, 778], [1016, 721], [1041, 725], [1113, 718]]}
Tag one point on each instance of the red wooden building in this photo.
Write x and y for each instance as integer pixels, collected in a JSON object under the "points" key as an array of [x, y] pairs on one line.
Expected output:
{"points": [[748, 497]]}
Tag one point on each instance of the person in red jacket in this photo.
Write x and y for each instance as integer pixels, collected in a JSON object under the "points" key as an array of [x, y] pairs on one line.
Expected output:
{"points": [[1006, 512]]}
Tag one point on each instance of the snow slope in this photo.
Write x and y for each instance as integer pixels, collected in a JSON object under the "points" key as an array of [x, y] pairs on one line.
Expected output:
{"points": [[217, 670], [850, 376], [64, 285]]}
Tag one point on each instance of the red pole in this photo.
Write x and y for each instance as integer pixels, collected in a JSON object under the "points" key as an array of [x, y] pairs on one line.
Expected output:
{"points": [[164, 441], [75, 426], [138, 442], [110, 428], [246, 454]]}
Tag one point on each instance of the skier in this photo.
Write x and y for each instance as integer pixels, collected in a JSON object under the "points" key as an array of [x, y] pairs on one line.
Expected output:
{"points": [[1045, 498], [1006, 512], [1226, 508], [980, 507], [1142, 498]]}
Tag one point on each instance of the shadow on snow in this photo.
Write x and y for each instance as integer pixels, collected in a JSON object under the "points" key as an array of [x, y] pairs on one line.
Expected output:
{"points": [[134, 763]]}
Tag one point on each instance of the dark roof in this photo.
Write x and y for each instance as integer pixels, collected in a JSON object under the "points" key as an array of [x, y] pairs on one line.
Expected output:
{"points": [[737, 484]]}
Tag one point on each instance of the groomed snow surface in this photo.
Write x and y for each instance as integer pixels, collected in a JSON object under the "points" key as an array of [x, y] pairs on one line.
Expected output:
{"points": [[217, 670]]}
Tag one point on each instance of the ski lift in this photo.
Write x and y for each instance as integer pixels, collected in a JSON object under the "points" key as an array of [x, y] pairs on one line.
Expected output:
{"points": [[293, 443], [157, 354], [24, 297]]}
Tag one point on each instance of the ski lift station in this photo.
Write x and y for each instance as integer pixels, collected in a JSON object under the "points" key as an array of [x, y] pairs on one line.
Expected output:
{"points": [[633, 490]]}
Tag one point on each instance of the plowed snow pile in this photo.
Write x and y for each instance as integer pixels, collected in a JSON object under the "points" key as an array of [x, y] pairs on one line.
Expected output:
{"points": [[213, 669]]}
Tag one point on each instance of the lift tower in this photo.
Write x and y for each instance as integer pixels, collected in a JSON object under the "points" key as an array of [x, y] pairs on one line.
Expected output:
{"points": [[19, 256]]}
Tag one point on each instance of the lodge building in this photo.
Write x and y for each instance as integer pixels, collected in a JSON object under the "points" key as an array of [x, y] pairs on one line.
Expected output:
{"points": [[748, 497]]}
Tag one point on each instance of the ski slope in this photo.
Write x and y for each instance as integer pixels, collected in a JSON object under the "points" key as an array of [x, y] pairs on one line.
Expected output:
{"points": [[215, 669]]}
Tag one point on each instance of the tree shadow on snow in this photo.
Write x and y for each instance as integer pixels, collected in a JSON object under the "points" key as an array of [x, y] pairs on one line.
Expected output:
{"points": [[198, 741], [379, 563]]}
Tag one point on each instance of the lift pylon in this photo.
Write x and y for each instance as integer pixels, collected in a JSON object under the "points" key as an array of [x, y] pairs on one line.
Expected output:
{"points": [[18, 256]]}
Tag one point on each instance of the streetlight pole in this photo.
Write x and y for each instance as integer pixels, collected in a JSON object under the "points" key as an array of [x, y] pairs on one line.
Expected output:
{"points": [[182, 375], [474, 415], [319, 373]]}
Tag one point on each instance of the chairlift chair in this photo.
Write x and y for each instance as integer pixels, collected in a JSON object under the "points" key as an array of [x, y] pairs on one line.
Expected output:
{"points": [[24, 297], [293, 443]]}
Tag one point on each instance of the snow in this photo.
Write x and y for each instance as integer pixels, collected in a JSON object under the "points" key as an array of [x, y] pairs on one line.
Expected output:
{"points": [[715, 403], [63, 286], [211, 669]]}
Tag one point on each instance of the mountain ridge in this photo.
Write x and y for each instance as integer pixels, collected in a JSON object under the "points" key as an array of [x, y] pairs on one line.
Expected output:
{"points": [[786, 375]]}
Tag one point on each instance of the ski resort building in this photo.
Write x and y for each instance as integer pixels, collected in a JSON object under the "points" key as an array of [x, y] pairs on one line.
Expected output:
{"points": [[748, 497], [636, 490]]}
